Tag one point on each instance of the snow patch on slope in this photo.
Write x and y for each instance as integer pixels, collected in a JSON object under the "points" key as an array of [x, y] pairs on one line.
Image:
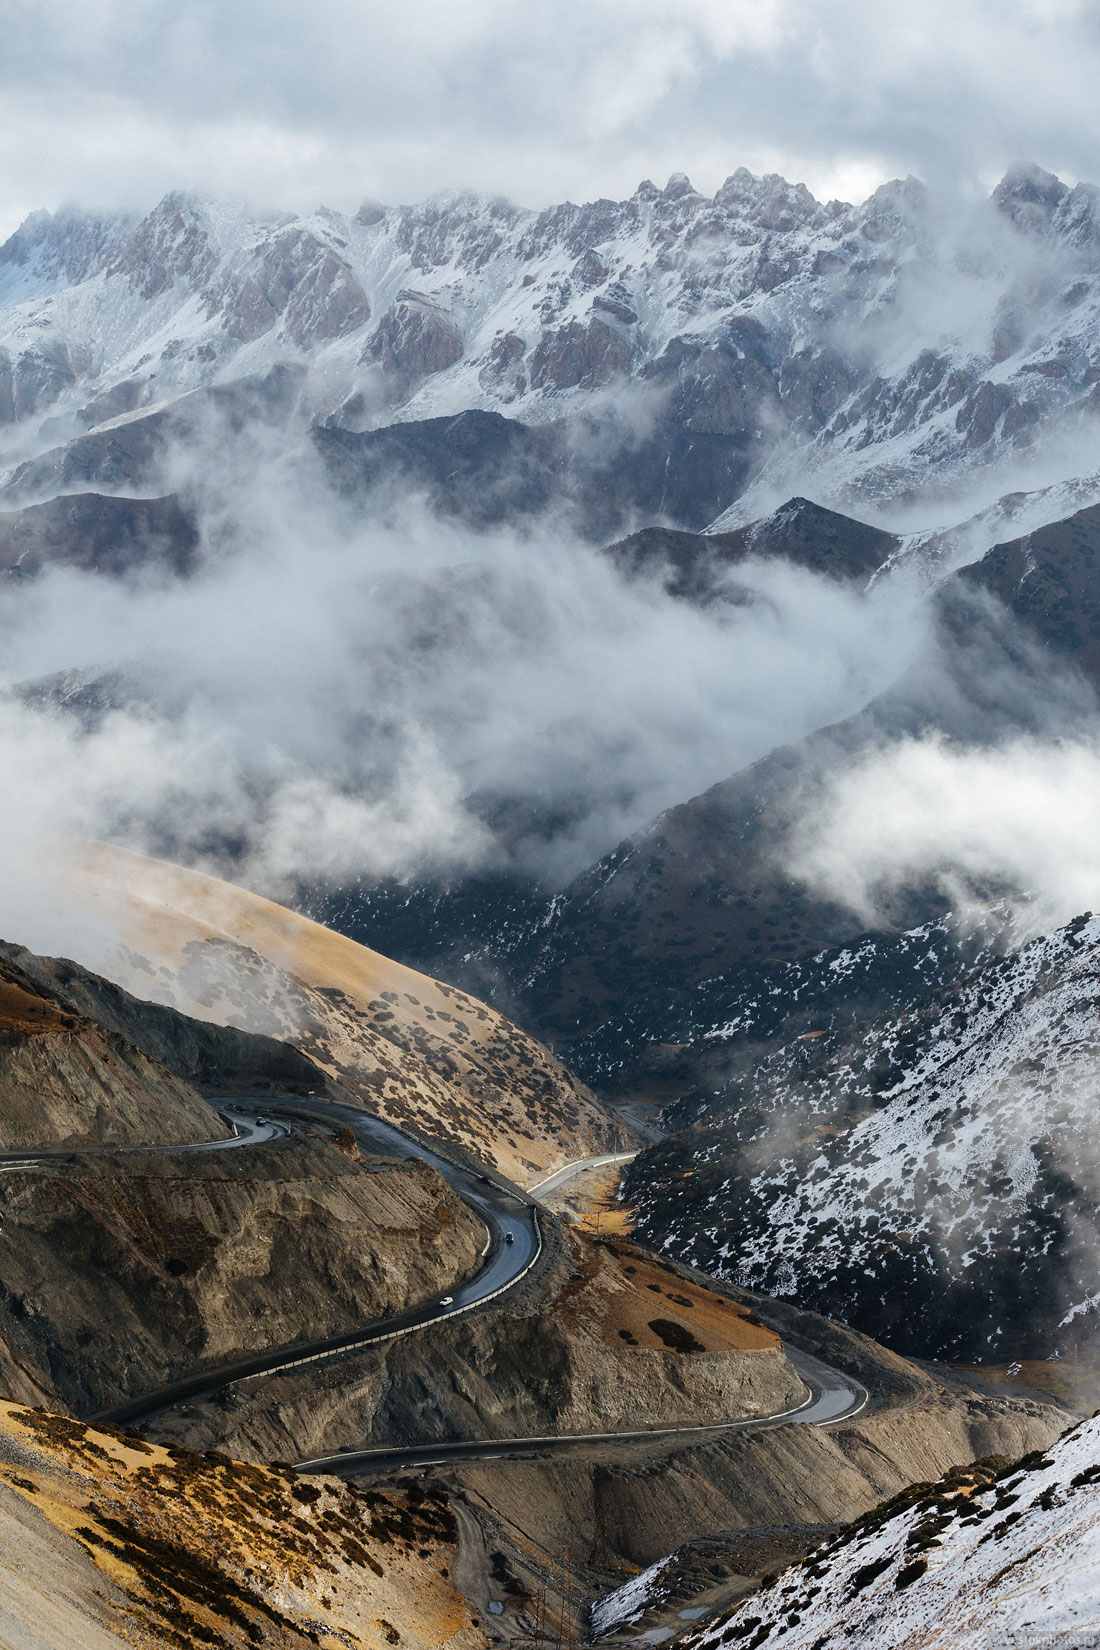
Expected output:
{"points": [[1011, 1562]]}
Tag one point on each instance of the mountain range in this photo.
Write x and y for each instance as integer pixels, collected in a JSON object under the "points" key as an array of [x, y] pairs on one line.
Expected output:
{"points": [[835, 1135], [731, 350]]}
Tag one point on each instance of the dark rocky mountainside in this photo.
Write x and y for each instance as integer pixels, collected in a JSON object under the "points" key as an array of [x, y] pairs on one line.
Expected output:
{"points": [[1048, 581], [696, 923], [932, 1180], [486, 470], [693, 565], [99, 534], [134, 455]]}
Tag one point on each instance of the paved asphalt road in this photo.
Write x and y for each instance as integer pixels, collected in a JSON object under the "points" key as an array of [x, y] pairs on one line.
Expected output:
{"points": [[505, 1212], [250, 1128], [561, 1177], [831, 1397]]}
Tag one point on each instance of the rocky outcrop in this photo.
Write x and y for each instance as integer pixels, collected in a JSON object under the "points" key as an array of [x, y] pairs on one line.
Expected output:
{"points": [[299, 281], [578, 355], [120, 1274], [415, 337], [66, 1080], [572, 1351]]}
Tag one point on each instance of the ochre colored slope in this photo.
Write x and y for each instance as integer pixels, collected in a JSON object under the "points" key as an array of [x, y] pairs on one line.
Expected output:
{"points": [[106, 1540], [409, 1047]]}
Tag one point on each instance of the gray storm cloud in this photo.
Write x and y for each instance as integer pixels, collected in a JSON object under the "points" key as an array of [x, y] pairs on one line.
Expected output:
{"points": [[113, 104]]}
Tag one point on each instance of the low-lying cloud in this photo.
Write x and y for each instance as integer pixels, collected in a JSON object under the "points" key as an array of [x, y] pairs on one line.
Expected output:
{"points": [[1021, 817], [329, 704]]}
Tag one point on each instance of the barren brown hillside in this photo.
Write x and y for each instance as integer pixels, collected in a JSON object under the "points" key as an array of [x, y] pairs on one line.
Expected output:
{"points": [[407, 1046]]}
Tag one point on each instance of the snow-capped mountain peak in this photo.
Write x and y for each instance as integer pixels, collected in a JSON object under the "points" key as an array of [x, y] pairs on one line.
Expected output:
{"points": [[851, 353]]}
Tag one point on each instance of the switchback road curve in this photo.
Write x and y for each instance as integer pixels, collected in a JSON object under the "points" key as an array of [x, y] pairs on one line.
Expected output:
{"points": [[514, 1243]]}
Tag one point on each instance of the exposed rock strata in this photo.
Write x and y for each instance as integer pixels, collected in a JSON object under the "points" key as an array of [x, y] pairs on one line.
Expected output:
{"points": [[121, 1274], [544, 1360], [67, 1080], [217, 1058]]}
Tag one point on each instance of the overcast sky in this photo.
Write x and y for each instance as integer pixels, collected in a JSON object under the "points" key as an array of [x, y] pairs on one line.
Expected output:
{"points": [[114, 101]]}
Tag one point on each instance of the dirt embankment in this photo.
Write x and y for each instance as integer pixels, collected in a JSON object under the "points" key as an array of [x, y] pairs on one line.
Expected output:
{"points": [[407, 1046], [577, 1353], [66, 1080], [106, 1541], [120, 1274]]}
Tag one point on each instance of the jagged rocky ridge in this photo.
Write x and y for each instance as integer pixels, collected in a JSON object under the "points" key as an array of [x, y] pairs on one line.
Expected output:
{"points": [[782, 335]]}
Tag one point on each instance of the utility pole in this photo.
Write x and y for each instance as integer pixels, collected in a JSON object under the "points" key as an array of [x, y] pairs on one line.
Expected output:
{"points": [[566, 1601], [540, 1617]]}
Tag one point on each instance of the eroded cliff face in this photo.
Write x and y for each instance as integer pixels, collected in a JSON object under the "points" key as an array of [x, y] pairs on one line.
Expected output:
{"points": [[66, 1080], [600, 1340], [120, 1274], [106, 1541]]}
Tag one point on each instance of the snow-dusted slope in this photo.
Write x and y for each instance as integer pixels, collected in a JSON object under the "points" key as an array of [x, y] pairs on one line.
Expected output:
{"points": [[936, 1182], [858, 353], [976, 1561]]}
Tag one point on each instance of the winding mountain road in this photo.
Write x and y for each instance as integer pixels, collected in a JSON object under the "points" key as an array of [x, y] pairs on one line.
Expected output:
{"points": [[249, 1129], [831, 1397], [513, 1245], [561, 1177]]}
